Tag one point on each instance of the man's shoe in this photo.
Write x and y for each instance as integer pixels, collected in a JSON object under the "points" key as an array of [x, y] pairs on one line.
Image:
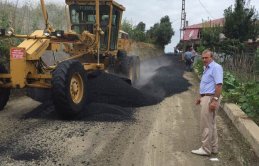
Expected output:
{"points": [[201, 152]]}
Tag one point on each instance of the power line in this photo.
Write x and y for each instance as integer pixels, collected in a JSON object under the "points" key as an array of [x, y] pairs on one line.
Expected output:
{"points": [[206, 9]]}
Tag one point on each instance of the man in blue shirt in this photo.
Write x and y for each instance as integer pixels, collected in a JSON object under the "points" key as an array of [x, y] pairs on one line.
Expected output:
{"points": [[210, 90], [188, 57]]}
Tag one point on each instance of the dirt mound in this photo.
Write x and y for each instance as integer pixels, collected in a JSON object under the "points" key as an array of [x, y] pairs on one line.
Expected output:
{"points": [[110, 89], [144, 50]]}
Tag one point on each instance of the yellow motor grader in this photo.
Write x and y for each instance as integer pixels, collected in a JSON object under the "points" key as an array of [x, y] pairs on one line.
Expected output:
{"points": [[91, 43]]}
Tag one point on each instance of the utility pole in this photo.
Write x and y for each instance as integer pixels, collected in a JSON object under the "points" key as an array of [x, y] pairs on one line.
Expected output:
{"points": [[183, 19]]}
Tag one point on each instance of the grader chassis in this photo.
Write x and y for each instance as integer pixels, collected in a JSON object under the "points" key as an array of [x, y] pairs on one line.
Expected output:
{"points": [[91, 41]]}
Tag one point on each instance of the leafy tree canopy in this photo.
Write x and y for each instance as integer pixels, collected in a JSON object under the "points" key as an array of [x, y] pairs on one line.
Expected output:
{"points": [[210, 36], [161, 33], [240, 22], [141, 27]]}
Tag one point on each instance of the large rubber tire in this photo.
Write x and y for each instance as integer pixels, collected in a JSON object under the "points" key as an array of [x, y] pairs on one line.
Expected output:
{"points": [[4, 92], [69, 88]]}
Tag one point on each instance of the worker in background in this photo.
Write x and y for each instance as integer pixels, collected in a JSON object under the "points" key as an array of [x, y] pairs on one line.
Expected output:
{"points": [[189, 58], [209, 99], [176, 51]]}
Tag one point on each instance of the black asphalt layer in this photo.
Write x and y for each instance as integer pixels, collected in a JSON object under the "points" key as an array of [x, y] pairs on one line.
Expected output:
{"points": [[109, 89], [113, 99], [166, 80]]}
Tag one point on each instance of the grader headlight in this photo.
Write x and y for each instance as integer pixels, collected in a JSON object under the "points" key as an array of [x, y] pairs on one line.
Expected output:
{"points": [[59, 33], [46, 33]]}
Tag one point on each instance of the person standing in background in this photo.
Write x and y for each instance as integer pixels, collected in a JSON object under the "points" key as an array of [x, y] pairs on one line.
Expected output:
{"points": [[189, 57]]}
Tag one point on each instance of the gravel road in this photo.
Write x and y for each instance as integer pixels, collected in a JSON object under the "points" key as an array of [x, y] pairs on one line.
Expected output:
{"points": [[154, 123]]}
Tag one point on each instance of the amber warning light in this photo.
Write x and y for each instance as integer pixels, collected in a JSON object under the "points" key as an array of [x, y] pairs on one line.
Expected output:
{"points": [[17, 53]]}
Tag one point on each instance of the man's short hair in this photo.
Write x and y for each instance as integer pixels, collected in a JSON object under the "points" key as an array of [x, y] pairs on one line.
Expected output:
{"points": [[208, 51]]}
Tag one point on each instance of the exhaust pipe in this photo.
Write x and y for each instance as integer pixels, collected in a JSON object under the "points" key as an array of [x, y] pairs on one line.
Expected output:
{"points": [[45, 15], [68, 18], [97, 9]]}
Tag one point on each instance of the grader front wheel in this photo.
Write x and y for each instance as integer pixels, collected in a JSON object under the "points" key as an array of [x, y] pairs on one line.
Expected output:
{"points": [[69, 88], [76, 88]]}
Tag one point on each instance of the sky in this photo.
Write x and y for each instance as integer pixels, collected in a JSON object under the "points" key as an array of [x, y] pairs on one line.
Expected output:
{"points": [[151, 11]]}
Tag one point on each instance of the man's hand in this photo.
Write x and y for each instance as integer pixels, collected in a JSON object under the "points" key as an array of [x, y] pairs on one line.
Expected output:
{"points": [[213, 105]]}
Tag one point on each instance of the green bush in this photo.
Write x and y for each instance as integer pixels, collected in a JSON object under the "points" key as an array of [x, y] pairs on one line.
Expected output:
{"points": [[230, 88], [200, 49], [249, 98], [230, 82], [246, 95], [198, 65]]}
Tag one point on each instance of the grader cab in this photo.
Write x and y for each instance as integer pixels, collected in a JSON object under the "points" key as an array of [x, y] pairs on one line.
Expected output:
{"points": [[91, 41]]}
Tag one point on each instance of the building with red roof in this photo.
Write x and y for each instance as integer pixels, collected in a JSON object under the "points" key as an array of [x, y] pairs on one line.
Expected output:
{"points": [[192, 33]]}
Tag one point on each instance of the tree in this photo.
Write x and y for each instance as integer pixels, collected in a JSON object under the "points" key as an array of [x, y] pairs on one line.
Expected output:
{"points": [[240, 22], [210, 36], [126, 26], [57, 15], [138, 33], [4, 15], [161, 33], [151, 33], [4, 23], [141, 26], [165, 31]]}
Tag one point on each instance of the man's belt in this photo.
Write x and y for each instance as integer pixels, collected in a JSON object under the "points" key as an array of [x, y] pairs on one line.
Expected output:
{"points": [[207, 94]]}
